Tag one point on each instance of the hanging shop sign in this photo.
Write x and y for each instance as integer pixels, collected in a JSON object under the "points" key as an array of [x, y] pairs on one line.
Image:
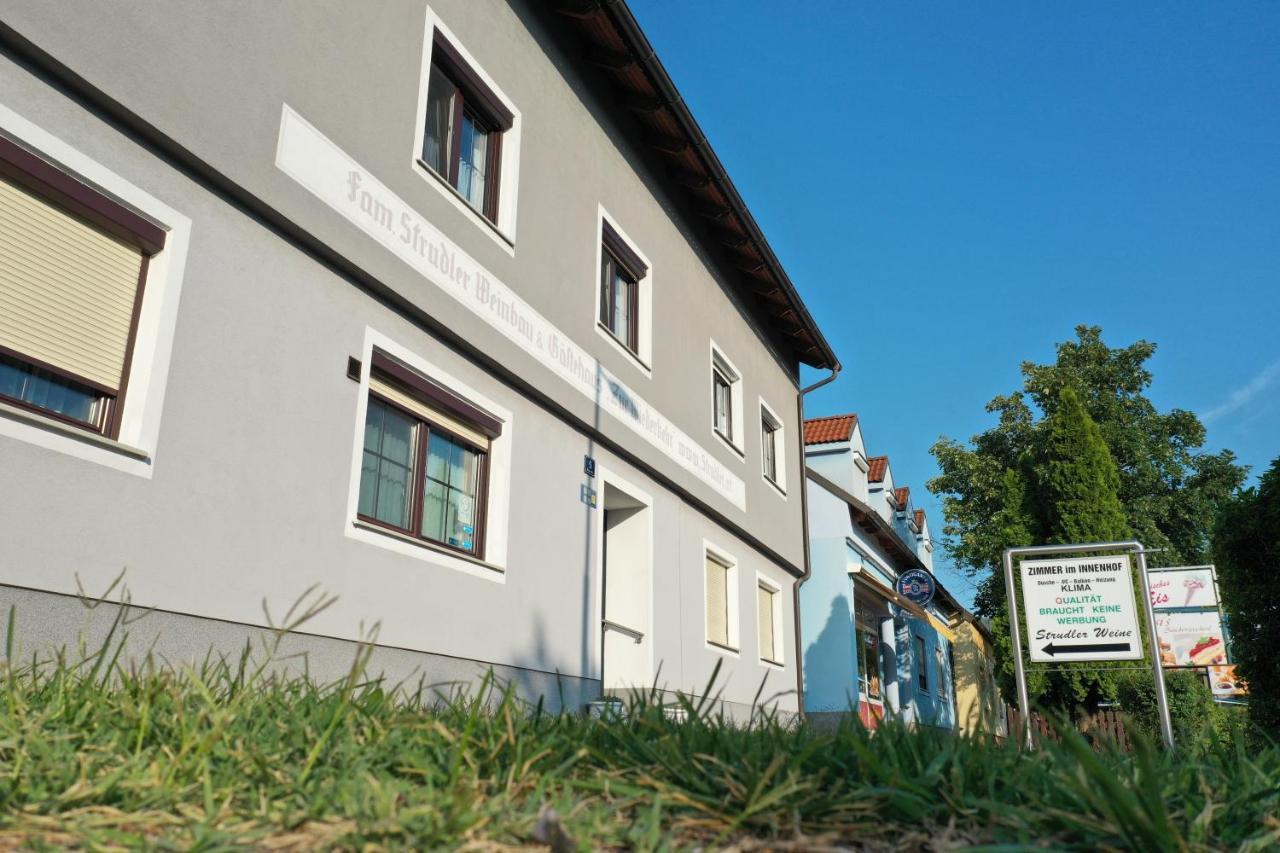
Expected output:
{"points": [[1192, 587], [1081, 608], [917, 586]]}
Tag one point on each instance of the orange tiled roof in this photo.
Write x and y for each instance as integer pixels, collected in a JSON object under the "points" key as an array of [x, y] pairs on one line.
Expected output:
{"points": [[878, 465], [920, 519], [900, 495], [829, 429]]}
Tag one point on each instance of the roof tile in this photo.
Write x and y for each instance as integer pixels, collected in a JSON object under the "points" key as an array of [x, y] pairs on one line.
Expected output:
{"points": [[901, 495], [829, 429], [878, 466]]}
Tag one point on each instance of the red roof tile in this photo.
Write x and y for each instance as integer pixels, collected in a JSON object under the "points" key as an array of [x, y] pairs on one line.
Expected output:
{"points": [[920, 519], [901, 495], [829, 429], [878, 466]]}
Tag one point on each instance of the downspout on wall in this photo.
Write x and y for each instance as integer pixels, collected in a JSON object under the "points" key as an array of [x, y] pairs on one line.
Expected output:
{"points": [[804, 520]]}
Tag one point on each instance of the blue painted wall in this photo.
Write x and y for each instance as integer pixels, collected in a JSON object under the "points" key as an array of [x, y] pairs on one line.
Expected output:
{"points": [[936, 706], [826, 617]]}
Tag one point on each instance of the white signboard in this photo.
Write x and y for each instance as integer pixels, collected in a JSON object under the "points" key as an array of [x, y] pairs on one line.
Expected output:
{"points": [[1182, 588], [313, 160], [1191, 639], [1080, 608]]}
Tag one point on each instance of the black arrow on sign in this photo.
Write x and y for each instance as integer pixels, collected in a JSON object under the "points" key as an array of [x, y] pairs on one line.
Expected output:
{"points": [[1051, 649]]}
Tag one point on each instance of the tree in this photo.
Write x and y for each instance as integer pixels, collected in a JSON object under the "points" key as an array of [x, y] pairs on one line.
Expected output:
{"points": [[1246, 550], [1168, 490], [1077, 484]]}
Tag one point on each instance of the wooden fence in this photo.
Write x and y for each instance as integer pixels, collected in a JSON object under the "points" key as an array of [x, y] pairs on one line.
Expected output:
{"points": [[1104, 726]]}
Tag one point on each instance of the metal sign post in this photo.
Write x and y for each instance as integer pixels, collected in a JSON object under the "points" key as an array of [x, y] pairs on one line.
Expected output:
{"points": [[1113, 600]]}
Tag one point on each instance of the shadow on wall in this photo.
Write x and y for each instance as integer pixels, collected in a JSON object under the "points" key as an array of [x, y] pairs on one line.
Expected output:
{"points": [[967, 663], [830, 663]]}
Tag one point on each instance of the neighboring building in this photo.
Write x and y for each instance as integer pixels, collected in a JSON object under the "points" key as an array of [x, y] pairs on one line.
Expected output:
{"points": [[979, 708], [867, 649], [445, 308]]}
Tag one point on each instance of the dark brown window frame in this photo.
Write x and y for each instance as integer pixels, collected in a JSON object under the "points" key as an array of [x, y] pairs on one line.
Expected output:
{"points": [[62, 189], [484, 423], [627, 264], [477, 100]]}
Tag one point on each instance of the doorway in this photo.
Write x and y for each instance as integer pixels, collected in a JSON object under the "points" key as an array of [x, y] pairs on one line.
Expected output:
{"points": [[626, 582]]}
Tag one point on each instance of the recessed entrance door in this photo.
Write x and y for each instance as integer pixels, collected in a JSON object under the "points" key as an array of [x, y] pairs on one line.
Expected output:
{"points": [[626, 573]]}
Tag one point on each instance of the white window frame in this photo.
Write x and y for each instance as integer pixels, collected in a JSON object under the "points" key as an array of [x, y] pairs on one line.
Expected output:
{"points": [[498, 505], [643, 359], [731, 588], [720, 363], [134, 451], [503, 231], [779, 448], [779, 655]]}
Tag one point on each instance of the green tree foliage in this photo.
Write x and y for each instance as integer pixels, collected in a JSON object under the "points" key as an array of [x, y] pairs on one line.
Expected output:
{"points": [[1246, 550], [1079, 453], [1077, 484], [1196, 718]]}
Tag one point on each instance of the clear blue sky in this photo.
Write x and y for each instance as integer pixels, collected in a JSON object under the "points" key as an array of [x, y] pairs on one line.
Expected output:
{"points": [[954, 186]]}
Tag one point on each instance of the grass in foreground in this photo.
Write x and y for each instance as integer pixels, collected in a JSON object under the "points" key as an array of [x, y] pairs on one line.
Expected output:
{"points": [[225, 756]]}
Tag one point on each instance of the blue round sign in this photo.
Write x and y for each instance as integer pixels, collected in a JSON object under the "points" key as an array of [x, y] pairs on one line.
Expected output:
{"points": [[916, 585]]}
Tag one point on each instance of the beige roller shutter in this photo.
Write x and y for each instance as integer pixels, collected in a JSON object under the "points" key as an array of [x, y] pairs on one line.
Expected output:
{"points": [[396, 394], [764, 614], [717, 602], [67, 289]]}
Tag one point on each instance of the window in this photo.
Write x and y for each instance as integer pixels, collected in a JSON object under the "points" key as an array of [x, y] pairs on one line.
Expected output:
{"points": [[465, 124], [869, 667], [942, 681], [621, 271], [425, 460], [723, 402], [767, 611], [72, 266], [719, 599], [922, 664], [726, 399], [772, 448]]}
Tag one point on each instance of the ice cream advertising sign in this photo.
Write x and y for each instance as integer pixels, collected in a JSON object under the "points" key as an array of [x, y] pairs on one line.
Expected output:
{"points": [[1191, 639], [1081, 608], [1182, 588]]}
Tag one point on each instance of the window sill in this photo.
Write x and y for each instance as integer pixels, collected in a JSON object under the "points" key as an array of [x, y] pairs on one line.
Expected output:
{"points": [[721, 649], [728, 442], [631, 355], [774, 483], [779, 664], [427, 546], [53, 425], [507, 242]]}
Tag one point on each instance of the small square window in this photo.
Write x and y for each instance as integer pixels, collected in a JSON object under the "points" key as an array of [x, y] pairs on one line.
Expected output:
{"points": [[465, 123]]}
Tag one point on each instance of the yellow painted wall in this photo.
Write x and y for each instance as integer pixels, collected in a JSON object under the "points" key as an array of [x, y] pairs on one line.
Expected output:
{"points": [[977, 700]]}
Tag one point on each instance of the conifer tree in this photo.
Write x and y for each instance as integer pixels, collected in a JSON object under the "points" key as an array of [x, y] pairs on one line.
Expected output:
{"points": [[1078, 484]]}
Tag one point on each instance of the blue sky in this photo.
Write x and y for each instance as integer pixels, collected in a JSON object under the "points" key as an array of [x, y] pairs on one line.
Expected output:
{"points": [[954, 186]]}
